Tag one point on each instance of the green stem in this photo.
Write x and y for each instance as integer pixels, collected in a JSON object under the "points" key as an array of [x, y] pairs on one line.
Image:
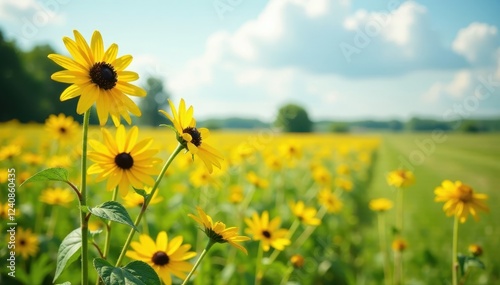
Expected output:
{"points": [[292, 230], [83, 200], [202, 255], [383, 248], [399, 216], [53, 220], [108, 228], [309, 230], [286, 276], [454, 264], [258, 266], [146, 202]]}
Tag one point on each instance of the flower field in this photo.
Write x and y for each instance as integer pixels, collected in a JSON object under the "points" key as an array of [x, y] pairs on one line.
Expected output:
{"points": [[303, 201]]}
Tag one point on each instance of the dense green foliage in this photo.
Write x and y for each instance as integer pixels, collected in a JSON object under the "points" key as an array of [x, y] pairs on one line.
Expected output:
{"points": [[293, 118]]}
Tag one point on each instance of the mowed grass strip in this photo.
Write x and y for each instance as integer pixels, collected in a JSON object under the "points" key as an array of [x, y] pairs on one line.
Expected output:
{"points": [[475, 160]]}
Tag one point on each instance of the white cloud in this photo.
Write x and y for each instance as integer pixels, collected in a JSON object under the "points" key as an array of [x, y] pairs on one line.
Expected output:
{"points": [[478, 43]]}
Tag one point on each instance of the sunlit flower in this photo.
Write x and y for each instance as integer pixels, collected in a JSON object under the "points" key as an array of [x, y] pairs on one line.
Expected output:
{"points": [[330, 201], [4, 211], [399, 245], [268, 232], [475, 249], [400, 178], [57, 196], [321, 175], [201, 177], [343, 169], [218, 232], [9, 152], [274, 162], [59, 161], [192, 138], [95, 225], [123, 161], [32, 159], [297, 261], [256, 181], [26, 243], [380, 205], [62, 128], [344, 183], [165, 257], [460, 200], [236, 194], [306, 215], [99, 77], [291, 150], [135, 200]]}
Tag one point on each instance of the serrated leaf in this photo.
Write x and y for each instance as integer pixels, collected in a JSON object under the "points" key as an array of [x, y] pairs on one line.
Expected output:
{"points": [[68, 251], [49, 174], [136, 272], [113, 211]]}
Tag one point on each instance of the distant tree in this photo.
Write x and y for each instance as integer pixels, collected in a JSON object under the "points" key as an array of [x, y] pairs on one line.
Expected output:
{"points": [[339, 127], [156, 99], [293, 118]]}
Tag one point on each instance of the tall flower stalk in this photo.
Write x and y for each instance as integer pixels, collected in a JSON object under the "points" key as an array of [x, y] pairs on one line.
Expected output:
{"points": [[83, 200]]}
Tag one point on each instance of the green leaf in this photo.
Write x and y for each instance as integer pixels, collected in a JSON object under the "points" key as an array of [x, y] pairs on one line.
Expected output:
{"points": [[65, 283], [53, 174], [136, 272], [113, 211], [473, 261], [68, 251], [141, 192]]}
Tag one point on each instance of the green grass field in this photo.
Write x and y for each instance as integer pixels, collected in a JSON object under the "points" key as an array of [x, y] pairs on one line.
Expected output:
{"points": [[473, 159]]}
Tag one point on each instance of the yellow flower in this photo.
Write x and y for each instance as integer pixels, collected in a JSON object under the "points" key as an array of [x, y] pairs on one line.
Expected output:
{"points": [[99, 77], [399, 245], [218, 232], [321, 175], [57, 196], [380, 205], [344, 183], [32, 159], [59, 161], [400, 178], [274, 162], [268, 232], [291, 150], [256, 181], [330, 201], [192, 138], [460, 200], [26, 243], [135, 200], [475, 250], [343, 169], [236, 194], [9, 151], [62, 128], [123, 161], [4, 211], [306, 215], [297, 260], [165, 257], [95, 226], [201, 177]]}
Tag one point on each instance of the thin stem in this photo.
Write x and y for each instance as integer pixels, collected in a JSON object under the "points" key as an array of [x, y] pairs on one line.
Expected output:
{"points": [[286, 276], [202, 255], [108, 228], [258, 266], [399, 216], [53, 220], [310, 229], [83, 200], [454, 265], [146, 202], [292, 230], [383, 248]]}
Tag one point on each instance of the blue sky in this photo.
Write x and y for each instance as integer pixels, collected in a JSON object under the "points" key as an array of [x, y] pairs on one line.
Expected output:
{"points": [[340, 59]]}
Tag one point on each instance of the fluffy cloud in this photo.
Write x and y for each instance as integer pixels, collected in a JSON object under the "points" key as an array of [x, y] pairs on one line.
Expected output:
{"points": [[31, 15], [478, 43]]}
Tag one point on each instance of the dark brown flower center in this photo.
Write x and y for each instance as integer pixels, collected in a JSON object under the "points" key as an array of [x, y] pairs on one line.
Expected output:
{"points": [[103, 75], [124, 160], [160, 258], [266, 233], [465, 193], [22, 242], [62, 130], [195, 135]]}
